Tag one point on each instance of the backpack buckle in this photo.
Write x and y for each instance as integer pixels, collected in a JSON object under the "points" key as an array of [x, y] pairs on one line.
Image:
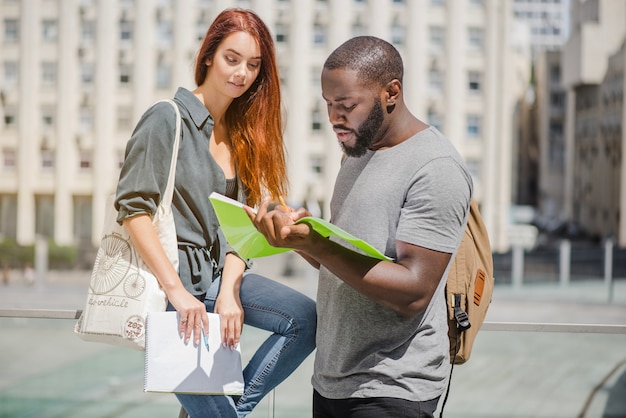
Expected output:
{"points": [[460, 315]]}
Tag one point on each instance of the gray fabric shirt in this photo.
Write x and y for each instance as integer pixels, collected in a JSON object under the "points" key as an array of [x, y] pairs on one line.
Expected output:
{"points": [[418, 192], [143, 180]]}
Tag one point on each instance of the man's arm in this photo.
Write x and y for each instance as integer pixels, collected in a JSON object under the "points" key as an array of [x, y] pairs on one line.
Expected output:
{"points": [[406, 286]]}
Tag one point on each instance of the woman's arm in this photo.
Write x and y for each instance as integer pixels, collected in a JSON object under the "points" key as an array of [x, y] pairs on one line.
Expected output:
{"points": [[147, 244], [228, 303]]}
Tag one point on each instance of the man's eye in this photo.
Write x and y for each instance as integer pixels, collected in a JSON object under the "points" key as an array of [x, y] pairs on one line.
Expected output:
{"points": [[349, 107]]}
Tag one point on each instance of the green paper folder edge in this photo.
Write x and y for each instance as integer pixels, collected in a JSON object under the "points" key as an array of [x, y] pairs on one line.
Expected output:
{"points": [[250, 243]]}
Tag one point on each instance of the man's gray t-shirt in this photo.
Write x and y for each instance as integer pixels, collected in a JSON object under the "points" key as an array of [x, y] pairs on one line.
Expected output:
{"points": [[417, 191]]}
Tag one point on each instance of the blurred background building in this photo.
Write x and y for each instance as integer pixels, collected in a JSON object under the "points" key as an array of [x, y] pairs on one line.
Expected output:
{"points": [[530, 92]]}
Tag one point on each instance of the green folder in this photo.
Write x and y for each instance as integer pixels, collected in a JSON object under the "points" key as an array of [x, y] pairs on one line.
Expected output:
{"points": [[250, 243]]}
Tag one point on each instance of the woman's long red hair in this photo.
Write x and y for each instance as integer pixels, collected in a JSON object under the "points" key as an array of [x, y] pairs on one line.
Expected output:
{"points": [[253, 120]]}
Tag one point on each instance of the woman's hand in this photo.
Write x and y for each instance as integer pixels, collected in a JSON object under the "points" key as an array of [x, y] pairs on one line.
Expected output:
{"points": [[192, 312], [231, 319], [193, 316]]}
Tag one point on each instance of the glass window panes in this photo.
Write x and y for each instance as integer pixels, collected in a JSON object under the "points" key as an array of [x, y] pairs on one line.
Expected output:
{"points": [[125, 71], [475, 37], [124, 121], [47, 159], [163, 76], [10, 117], [435, 82], [474, 127], [86, 119], [319, 34], [47, 117], [436, 39], [281, 32], [126, 32], [164, 34], [49, 73], [9, 160], [398, 34], [86, 73], [11, 74], [50, 30], [474, 81], [11, 30], [87, 31]]}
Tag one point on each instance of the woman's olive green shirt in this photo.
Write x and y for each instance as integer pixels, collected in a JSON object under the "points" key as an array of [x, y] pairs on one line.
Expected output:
{"points": [[143, 178]]}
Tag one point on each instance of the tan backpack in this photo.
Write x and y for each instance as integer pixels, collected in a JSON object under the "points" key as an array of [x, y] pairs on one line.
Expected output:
{"points": [[469, 287]]}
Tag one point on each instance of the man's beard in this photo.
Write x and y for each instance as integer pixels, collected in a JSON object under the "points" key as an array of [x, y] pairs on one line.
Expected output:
{"points": [[365, 135]]}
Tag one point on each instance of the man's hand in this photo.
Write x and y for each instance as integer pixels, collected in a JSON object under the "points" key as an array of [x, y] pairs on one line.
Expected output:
{"points": [[278, 226]]}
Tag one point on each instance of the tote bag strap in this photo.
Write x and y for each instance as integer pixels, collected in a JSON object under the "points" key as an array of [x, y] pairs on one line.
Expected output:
{"points": [[169, 190]]}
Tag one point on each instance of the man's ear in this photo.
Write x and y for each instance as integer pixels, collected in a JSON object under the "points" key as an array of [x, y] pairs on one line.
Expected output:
{"points": [[392, 94]]}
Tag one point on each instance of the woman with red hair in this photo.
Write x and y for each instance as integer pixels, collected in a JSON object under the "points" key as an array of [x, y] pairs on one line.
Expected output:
{"points": [[231, 143]]}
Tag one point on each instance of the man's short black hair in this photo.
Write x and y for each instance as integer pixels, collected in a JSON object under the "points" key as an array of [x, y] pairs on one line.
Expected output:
{"points": [[376, 61]]}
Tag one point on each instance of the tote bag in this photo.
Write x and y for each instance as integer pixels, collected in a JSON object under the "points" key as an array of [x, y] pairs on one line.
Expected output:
{"points": [[122, 289]]}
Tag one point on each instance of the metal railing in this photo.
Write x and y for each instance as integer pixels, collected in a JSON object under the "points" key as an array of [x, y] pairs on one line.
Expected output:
{"points": [[69, 314], [487, 325]]}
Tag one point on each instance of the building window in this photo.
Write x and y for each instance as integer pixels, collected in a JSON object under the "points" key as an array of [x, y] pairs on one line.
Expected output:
{"points": [[47, 159], [50, 30], [11, 30], [398, 34], [316, 120], [86, 73], [435, 82], [87, 31], [44, 215], [358, 29], [9, 160], [49, 73], [164, 34], [85, 160], [475, 37], [473, 166], [557, 99], [124, 118], [11, 74], [437, 39], [86, 119], [10, 117], [474, 127], [163, 76], [47, 118], [555, 73], [319, 34], [125, 76], [474, 81], [126, 33], [82, 218], [435, 119], [316, 165], [281, 32]]}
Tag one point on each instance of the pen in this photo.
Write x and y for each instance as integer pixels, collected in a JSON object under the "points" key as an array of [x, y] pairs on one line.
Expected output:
{"points": [[206, 340], [282, 202]]}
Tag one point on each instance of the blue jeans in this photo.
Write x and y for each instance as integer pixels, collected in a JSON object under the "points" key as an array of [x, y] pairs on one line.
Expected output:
{"points": [[270, 306]]}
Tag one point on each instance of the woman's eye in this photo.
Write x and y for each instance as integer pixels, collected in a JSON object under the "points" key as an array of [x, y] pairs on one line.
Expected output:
{"points": [[254, 65], [230, 59]]}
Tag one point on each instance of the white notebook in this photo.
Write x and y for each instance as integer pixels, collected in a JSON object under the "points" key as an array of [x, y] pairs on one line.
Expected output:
{"points": [[175, 367]]}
